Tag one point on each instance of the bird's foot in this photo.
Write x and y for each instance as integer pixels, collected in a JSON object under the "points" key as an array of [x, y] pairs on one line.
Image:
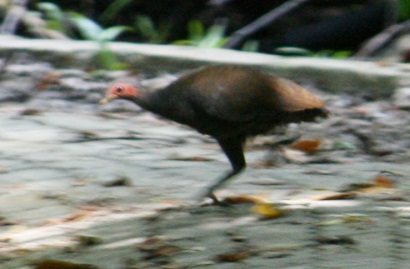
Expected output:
{"points": [[215, 200]]}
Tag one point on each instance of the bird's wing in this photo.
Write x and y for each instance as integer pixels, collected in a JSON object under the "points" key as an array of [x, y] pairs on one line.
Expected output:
{"points": [[245, 100], [290, 97], [236, 94]]}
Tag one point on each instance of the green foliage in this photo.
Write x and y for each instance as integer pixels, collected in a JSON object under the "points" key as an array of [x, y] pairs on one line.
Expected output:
{"points": [[146, 27], [113, 10], [54, 17], [214, 37], [404, 9], [295, 51], [251, 46], [89, 30]]}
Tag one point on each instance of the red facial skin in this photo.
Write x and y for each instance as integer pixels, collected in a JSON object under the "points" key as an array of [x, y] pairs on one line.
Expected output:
{"points": [[120, 91]]}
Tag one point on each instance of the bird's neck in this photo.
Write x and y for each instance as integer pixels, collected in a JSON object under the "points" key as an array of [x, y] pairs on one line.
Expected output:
{"points": [[151, 101]]}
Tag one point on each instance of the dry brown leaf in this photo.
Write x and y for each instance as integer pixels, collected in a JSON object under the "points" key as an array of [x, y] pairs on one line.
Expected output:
{"points": [[264, 164], [308, 146], [76, 216], [234, 256], [336, 196], [54, 264], [91, 207], [384, 181], [267, 211], [374, 190], [30, 112], [245, 199], [150, 244], [51, 78], [191, 159], [163, 251]]}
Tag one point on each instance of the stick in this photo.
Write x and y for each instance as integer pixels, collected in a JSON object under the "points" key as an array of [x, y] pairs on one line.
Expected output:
{"points": [[13, 17], [380, 40], [262, 22]]}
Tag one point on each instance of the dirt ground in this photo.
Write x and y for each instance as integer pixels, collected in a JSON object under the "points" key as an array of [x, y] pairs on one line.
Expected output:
{"points": [[113, 187]]}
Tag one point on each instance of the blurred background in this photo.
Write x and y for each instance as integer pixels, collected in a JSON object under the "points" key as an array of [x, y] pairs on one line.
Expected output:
{"points": [[330, 28]]}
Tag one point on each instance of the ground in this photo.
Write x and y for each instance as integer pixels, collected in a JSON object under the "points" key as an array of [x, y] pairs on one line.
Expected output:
{"points": [[115, 187]]}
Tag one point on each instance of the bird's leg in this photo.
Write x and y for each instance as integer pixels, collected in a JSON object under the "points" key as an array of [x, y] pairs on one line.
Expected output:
{"points": [[210, 191], [233, 148]]}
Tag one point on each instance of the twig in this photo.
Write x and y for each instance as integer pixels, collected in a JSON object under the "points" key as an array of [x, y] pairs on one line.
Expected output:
{"points": [[262, 22], [380, 40], [13, 17]]}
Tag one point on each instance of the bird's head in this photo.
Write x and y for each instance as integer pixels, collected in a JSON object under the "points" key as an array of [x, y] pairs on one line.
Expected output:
{"points": [[120, 91]]}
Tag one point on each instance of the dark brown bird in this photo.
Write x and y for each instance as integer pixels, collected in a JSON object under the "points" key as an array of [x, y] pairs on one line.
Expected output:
{"points": [[229, 103]]}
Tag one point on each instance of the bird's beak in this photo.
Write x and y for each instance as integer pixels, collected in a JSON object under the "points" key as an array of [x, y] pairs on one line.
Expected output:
{"points": [[107, 99], [104, 101]]}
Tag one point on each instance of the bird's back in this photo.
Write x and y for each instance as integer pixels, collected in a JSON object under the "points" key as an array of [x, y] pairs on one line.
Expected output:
{"points": [[224, 100]]}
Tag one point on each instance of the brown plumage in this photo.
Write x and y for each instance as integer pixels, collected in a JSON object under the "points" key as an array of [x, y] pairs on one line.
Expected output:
{"points": [[229, 103]]}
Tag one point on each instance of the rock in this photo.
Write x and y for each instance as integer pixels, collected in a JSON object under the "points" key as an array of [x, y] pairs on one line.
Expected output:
{"points": [[16, 92], [401, 98]]}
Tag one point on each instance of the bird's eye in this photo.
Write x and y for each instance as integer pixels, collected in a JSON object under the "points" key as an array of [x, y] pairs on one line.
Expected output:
{"points": [[120, 89]]}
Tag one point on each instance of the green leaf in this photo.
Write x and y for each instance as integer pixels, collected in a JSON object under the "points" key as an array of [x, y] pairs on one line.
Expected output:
{"points": [[184, 42], [342, 54], [404, 9], [196, 30], [251, 46], [109, 61], [51, 11], [294, 51], [89, 29], [214, 37], [112, 33], [145, 26]]}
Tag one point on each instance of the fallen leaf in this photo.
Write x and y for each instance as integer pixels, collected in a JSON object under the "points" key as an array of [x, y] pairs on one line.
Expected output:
{"points": [[89, 240], [150, 244], [191, 159], [163, 251], [264, 164], [375, 190], [51, 78], [30, 112], [76, 216], [267, 211], [335, 240], [118, 182], [55, 264], [336, 196], [91, 207], [234, 256], [307, 146], [384, 181], [245, 199]]}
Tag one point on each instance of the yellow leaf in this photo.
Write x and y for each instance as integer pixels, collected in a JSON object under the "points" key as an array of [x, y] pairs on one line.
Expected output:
{"points": [[267, 211], [245, 199]]}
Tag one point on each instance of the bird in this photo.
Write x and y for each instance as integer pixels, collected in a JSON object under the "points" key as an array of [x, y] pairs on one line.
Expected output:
{"points": [[229, 103]]}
